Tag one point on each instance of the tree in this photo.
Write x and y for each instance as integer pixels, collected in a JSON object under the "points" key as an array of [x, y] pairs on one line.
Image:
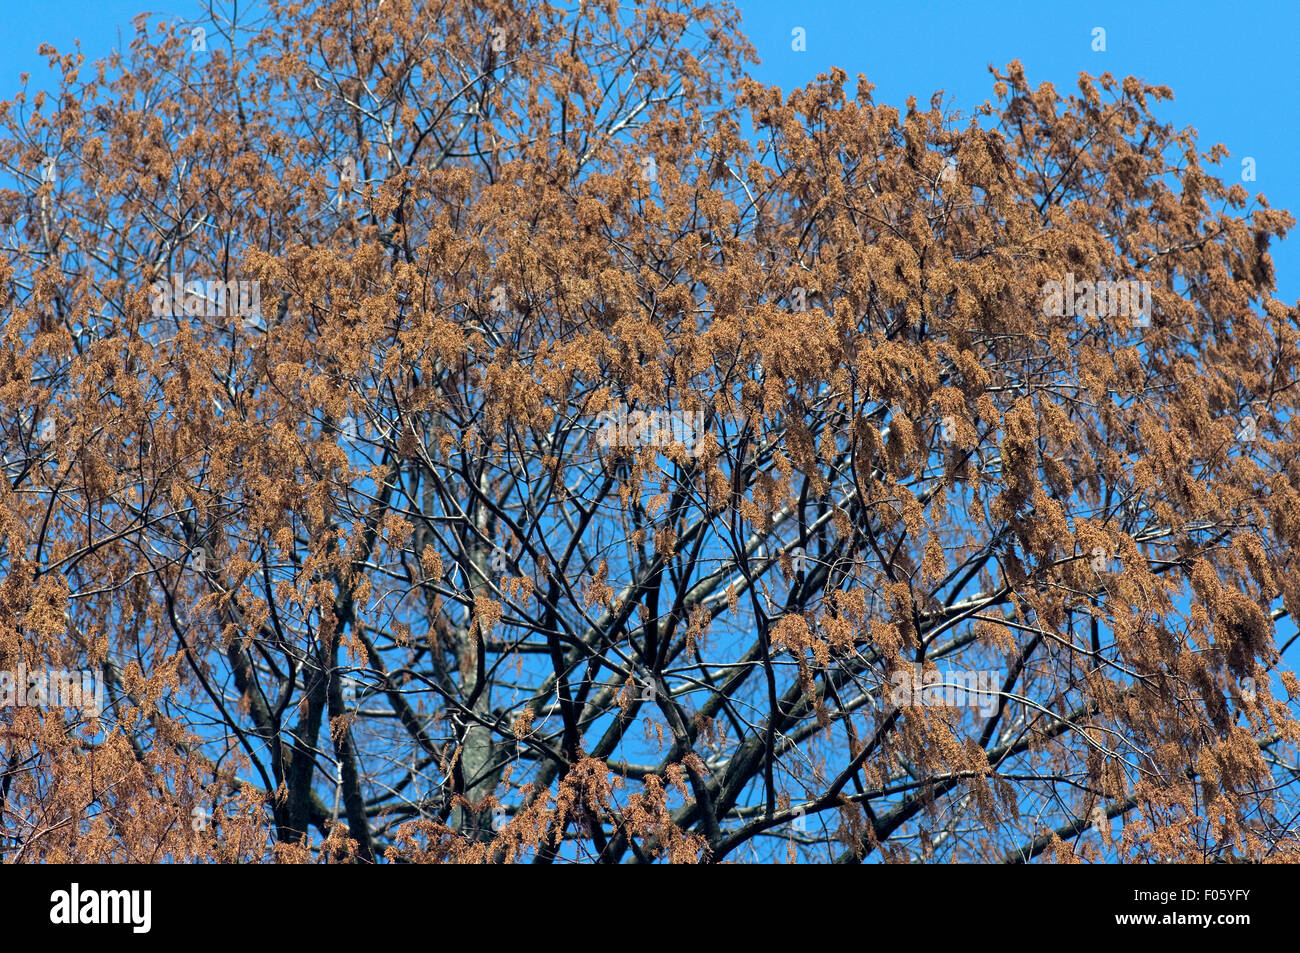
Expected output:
{"points": [[502, 432]]}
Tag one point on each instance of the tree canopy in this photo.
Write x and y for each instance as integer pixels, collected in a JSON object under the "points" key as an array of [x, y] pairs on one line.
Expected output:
{"points": [[495, 432]]}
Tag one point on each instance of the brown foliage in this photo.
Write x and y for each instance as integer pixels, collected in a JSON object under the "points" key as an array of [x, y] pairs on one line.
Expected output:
{"points": [[630, 461]]}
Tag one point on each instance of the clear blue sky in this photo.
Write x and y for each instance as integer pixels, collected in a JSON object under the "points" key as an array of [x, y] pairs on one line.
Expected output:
{"points": [[1233, 67]]}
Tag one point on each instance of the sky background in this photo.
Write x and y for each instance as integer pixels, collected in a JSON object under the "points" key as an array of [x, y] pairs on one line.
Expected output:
{"points": [[1232, 67]]}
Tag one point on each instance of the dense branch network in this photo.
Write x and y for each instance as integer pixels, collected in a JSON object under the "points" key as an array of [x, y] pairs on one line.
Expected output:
{"points": [[628, 462]]}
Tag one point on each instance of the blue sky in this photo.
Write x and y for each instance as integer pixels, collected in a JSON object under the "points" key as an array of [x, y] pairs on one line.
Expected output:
{"points": [[1233, 71], [1232, 68]]}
